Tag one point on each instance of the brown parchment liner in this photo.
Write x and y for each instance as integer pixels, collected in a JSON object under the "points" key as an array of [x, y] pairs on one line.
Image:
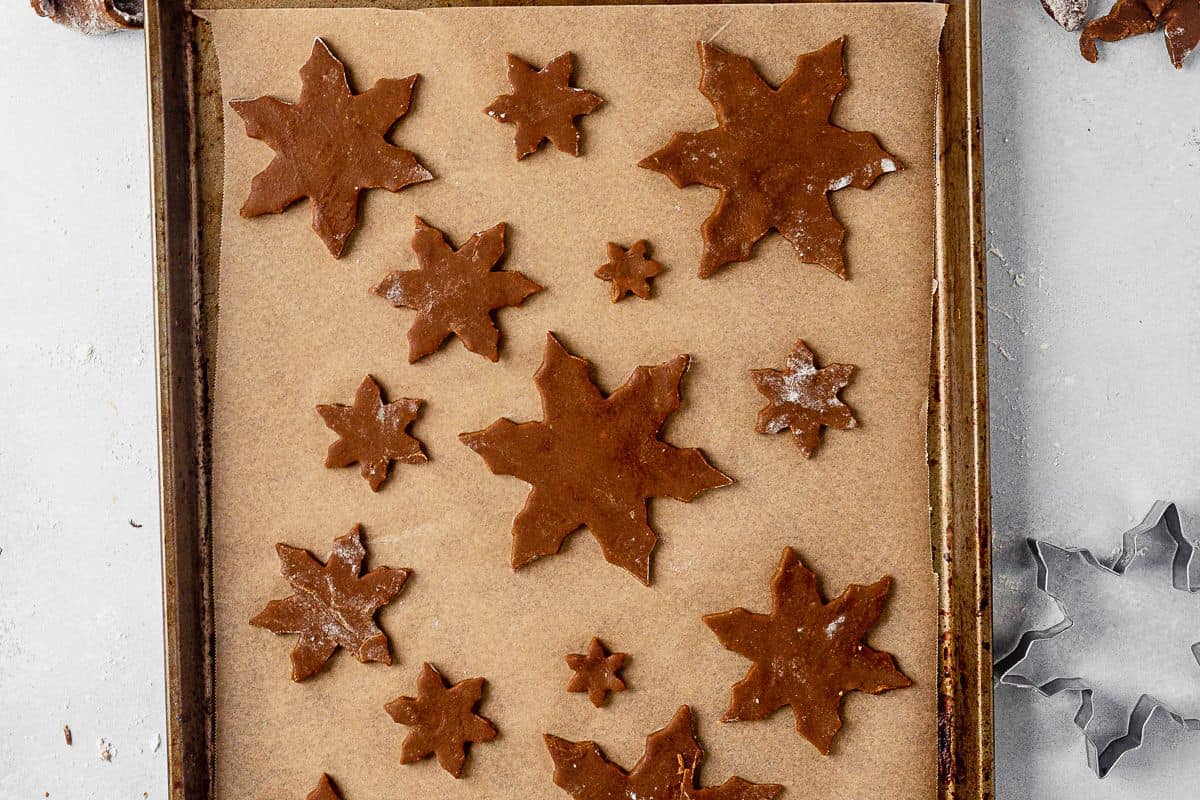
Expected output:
{"points": [[297, 328]]}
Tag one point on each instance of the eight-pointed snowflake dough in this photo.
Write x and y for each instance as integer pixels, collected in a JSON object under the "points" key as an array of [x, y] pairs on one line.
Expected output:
{"points": [[597, 672], [372, 433], [666, 770], [543, 105], [807, 653], [455, 291], [629, 270], [775, 156], [595, 460], [443, 720], [334, 605], [803, 398], [329, 146]]}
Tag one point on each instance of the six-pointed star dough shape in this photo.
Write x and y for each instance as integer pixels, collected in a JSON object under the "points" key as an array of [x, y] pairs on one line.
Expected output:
{"points": [[455, 291], [807, 653], [803, 398], [443, 720], [629, 270], [329, 146], [595, 460], [543, 105], [775, 156], [596, 672], [334, 605], [372, 433]]}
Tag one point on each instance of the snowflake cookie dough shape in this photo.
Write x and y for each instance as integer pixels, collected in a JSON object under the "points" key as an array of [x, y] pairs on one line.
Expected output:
{"points": [[443, 720], [372, 433], [775, 157], [329, 146], [595, 460], [334, 604], [807, 653], [543, 105], [803, 398], [455, 291], [666, 771]]}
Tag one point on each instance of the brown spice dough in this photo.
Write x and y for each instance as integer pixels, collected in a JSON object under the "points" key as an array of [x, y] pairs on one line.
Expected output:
{"points": [[455, 291], [597, 672], [543, 105], [329, 146], [807, 653], [775, 156], [1180, 20], [666, 770], [803, 398], [325, 790], [595, 460], [629, 271], [372, 433], [334, 604], [443, 720]]}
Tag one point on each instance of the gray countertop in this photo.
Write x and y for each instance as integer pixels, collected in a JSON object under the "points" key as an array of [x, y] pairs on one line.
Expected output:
{"points": [[1093, 193], [1093, 223]]}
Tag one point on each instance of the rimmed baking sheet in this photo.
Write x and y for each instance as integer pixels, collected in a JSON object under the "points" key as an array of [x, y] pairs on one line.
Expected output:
{"points": [[955, 449]]}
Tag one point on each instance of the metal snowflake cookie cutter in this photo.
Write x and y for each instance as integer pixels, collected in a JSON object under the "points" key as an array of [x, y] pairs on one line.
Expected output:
{"points": [[1163, 517]]}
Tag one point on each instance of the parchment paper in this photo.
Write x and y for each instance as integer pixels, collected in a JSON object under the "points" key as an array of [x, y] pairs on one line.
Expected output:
{"points": [[297, 328]]}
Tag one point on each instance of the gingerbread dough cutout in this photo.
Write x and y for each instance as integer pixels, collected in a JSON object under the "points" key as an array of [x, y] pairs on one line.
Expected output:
{"points": [[775, 157], [443, 720], [804, 398], [597, 672], [543, 105], [372, 433], [666, 770], [595, 460], [329, 146], [807, 653], [455, 291], [334, 604], [629, 271]]}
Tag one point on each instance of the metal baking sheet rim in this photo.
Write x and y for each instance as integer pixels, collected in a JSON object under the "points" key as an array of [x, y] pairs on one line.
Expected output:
{"points": [[958, 445]]}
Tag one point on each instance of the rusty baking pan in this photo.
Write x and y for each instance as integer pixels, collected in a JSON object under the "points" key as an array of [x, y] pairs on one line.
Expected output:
{"points": [[185, 116]]}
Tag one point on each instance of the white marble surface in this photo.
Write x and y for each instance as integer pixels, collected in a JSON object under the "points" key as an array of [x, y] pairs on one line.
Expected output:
{"points": [[1093, 196], [80, 614]]}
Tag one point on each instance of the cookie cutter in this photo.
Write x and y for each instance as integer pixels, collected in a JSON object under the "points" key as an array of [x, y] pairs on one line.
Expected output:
{"points": [[1102, 756]]}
